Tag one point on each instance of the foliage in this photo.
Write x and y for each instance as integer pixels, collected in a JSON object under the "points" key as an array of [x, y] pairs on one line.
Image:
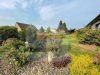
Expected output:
{"points": [[98, 57], [62, 27], [48, 30], [30, 34], [88, 36], [42, 30], [53, 44], [13, 42], [83, 65], [39, 45], [97, 60], [41, 36], [22, 35], [13, 54], [61, 61], [39, 42], [8, 32]]}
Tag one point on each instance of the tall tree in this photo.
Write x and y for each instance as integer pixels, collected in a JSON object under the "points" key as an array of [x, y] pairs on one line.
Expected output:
{"points": [[62, 26], [48, 30], [41, 29]]}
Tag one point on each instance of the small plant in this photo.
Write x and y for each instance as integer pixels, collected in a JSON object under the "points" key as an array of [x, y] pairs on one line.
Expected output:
{"points": [[83, 65], [61, 61]]}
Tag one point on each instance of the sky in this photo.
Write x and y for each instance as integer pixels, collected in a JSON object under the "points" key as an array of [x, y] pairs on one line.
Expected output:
{"points": [[48, 13]]}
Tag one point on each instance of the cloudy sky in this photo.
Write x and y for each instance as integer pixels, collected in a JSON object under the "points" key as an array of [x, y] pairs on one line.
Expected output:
{"points": [[76, 13]]}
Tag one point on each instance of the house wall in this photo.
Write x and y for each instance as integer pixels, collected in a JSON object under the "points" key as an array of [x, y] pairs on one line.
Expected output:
{"points": [[94, 26], [18, 28]]}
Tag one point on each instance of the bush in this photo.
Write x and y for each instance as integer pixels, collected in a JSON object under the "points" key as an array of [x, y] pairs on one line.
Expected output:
{"points": [[53, 44], [15, 52], [83, 65], [13, 42], [8, 32], [39, 45], [41, 36], [61, 61], [31, 34], [22, 35], [88, 36]]}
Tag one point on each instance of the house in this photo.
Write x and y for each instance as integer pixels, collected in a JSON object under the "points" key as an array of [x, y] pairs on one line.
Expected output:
{"points": [[21, 26], [53, 30], [95, 23], [71, 31]]}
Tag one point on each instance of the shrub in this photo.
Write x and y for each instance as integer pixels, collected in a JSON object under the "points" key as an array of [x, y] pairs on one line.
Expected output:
{"points": [[41, 36], [8, 32], [13, 42], [14, 54], [88, 36], [61, 61], [31, 34], [83, 65], [22, 35], [13, 60], [39, 45], [53, 44]]}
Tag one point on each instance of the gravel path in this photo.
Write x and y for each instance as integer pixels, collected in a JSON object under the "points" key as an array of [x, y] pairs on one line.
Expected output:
{"points": [[41, 67]]}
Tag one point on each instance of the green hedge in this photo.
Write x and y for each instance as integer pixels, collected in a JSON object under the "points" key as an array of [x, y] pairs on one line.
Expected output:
{"points": [[8, 32]]}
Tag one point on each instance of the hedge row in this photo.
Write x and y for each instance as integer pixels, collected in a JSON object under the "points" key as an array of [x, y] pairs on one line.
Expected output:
{"points": [[8, 32]]}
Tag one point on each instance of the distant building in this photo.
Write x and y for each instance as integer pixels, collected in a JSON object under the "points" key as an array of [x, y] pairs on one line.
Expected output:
{"points": [[95, 23], [71, 31], [21, 26], [53, 30]]}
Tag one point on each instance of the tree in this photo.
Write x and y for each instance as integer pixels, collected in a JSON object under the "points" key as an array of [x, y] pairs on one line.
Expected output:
{"points": [[41, 29], [62, 26], [48, 30]]}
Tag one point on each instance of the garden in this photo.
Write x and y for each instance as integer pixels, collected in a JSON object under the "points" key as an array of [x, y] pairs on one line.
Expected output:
{"points": [[36, 52]]}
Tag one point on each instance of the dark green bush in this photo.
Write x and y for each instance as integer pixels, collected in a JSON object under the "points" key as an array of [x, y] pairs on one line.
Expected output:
{"points": [[8, 32], [88, 36]]}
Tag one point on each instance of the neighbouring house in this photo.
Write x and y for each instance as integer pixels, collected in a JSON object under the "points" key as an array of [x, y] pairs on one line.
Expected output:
{"points": [[71, 31], [21, 26], [53, 30], [95, 23]]}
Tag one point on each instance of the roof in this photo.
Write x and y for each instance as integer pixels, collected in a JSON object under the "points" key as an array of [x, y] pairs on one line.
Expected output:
{"points": [[94, 20], [23, 25]]}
